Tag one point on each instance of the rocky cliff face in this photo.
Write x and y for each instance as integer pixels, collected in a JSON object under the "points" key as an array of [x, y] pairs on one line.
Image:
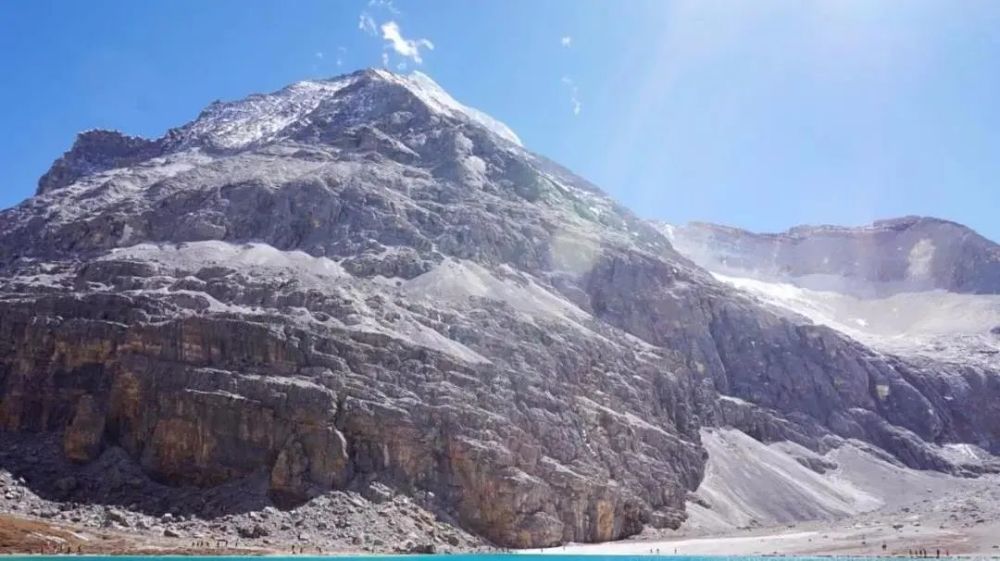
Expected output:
{"points": [[915, 298], [360, 281]]}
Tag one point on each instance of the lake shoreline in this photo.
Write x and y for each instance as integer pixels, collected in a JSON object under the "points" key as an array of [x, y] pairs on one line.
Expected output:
{"points": [[22, 536]]}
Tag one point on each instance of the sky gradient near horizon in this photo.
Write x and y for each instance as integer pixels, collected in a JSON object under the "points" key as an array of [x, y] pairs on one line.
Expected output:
{"points": [[761, 115]]}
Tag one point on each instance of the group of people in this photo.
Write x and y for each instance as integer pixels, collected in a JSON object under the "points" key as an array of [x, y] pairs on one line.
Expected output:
{"points": [[223, 544], [924, 553], [207, 544], [59, 549]]}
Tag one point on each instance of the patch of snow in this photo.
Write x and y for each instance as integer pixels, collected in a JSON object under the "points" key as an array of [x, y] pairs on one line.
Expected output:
{"points": [[455, 280], [964, 453], [733, 399], [460, 282], [126, 234], [668, 231], [936, 323], [253, 258], [919, 260], [49, 280], [573, 252], [439, 100]]}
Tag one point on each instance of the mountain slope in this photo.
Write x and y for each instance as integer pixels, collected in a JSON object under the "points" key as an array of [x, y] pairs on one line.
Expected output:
{"points": [[359, 282], [919, 287], [889, 256]]}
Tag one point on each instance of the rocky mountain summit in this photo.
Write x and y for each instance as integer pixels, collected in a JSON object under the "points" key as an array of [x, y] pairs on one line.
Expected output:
{"points": [[359, 283]]}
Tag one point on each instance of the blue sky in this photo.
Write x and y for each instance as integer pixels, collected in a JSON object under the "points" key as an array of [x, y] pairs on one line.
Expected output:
{"points": [[759, 114]]}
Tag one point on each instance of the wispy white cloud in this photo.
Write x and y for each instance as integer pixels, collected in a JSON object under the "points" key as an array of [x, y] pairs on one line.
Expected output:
{"points": [[386, 5], [385, 60], [409, 48], [574, 95], [341, 51], [566, 41], [319, 55], [367, 24]]}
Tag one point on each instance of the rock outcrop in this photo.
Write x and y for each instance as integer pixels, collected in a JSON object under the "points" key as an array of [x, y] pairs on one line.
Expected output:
{"points": [[96, 151], [361, 282]]}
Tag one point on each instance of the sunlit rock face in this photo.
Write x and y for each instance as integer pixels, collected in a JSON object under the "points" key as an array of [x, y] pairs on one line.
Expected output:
{"points": [[360, 280], [889, 256]]}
